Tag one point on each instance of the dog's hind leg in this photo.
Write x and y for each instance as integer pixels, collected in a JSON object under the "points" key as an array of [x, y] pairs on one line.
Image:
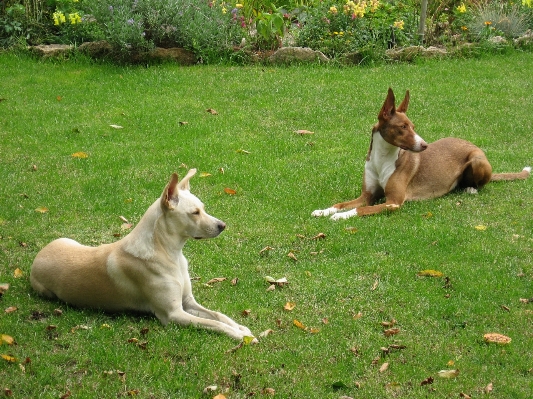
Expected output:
{"points": [[477, 171]]}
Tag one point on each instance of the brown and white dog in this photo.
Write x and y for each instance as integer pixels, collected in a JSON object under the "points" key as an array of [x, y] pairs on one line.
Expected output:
{"points": [[400, 166], [144, 271]]}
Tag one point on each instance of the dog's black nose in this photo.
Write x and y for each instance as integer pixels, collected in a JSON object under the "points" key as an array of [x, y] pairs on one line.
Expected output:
{"points": [[221, 225]]}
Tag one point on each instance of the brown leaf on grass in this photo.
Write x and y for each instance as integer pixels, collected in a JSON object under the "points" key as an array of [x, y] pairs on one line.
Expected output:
{"points": [[205, 174], [235, 281], [219, 396], [464, 395], [9, 358], [358, 315], [59, 98], [230, 191], [266, 333], [319, 236], [488, 388], [292, 256], [427, 381], [384, 367], [506, 308], [496, 338], [448, 373], [126, 226], [289, 306], [11, 309], [268, 391], [301, 132], [216, 280], [391, 331], [7, 392], [211, 111], [123, 219], [526, 300], [387, 324], [41, 209], [375, 285], [3, 288], [18, 273], [299, 324], [430, 273], [80, 155], [133, 392], [271, 287], [235, 348], [265, 250], [66, 395], [7, 339], [246, 312]]}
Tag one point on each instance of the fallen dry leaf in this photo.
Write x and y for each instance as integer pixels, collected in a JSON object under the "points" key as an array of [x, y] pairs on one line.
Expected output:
{"points": [[183, 123], [18, 273], [375, 285], [11, 309], [481, 227], [266, 333], [41, 209], [3, 288], [358, 315], [289, 306], [489, 388], [80, 155], [430, 273], [116, 126], [464, 395], [211, 111], [210, 388], [391, 331], [269, 391], [8, 358], [427, 381], [265, 250], [496, 338], [303, 131], [235, 281], [205, 174], [298, 324], [384, 367], [314, 330], [7, 339], [448, 373], [271, 287], [319, 236], [230, 191], [216, 280], [388, 323], [292, 256], [246, 312]]}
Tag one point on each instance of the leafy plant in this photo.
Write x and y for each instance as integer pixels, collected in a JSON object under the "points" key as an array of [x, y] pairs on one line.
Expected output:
{"points": [[495, 18], [12, 25]]}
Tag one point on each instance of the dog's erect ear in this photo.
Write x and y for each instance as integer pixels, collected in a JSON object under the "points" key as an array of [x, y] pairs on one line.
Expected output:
{"points": [[184, 183], [171, 190], [405, 103], [388, 109]]}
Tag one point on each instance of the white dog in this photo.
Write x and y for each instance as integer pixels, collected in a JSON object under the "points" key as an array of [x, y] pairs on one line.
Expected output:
{"points": [[145, 271]]}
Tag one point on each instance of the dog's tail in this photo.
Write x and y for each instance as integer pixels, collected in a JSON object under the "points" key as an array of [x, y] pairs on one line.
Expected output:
{"points": [[512, 176]]}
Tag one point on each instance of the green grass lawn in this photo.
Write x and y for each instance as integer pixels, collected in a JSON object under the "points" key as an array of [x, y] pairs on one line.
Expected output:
{"points": [[363, 273]]}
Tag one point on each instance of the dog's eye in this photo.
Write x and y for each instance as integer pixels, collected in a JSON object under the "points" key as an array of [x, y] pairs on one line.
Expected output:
{"points": [[196, 212]]}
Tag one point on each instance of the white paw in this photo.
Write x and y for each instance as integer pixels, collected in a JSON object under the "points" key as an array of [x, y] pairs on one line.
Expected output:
{"points": [[324, 212], [344, 215], [471, 190], [528, 168]]}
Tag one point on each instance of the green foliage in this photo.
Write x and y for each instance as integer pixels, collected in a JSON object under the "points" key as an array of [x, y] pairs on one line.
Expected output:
{"points": [[270, 27], [336, 28], [505, 19], [12, 25]]}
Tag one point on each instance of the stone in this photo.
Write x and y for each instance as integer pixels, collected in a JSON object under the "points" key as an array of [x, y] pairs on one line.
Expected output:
{"points": [[96, 49], [176, 54], [287, 55], [52, 50]]}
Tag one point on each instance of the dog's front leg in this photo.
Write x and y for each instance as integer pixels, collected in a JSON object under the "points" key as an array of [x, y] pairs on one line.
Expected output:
{"points": [[194, 308]]}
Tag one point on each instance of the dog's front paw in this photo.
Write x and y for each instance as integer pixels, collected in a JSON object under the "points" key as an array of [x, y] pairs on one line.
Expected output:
{"points": [[324, 212], [471, 190], [344, 215]]}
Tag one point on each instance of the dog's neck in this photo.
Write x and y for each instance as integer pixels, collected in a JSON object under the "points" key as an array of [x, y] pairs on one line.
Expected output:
{"points": [[141, 242]]}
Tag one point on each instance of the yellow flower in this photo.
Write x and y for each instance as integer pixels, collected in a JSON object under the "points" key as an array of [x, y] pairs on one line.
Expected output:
{"points": [[527, 3], [461, 8], [239, 5], [74, 18], [59, 18], [224, 10], [333, 10], [488, 23], [398, 24], [464, 28]]}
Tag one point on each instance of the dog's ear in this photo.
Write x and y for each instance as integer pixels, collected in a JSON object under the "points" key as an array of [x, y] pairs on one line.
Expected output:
{"points": [[405, 103], [171, 190], [184, 183], [388, 109]]}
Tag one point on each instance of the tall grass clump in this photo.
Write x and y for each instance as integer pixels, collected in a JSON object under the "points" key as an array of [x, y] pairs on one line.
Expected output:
{"points": [[495, 18]]}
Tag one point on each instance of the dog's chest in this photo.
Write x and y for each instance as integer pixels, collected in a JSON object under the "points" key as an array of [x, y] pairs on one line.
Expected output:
{"points": [[381, 164]]}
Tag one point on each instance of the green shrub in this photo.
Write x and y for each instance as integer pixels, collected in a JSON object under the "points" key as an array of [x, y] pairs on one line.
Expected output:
{"points": [[495, 18], [338, 27]]}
